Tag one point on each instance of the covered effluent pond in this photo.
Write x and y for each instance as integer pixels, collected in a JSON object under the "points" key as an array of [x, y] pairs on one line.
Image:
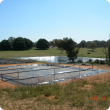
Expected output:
{"points": [[44, 73]]}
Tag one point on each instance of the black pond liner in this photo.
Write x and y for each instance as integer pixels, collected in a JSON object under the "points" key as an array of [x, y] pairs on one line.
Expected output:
{"points": [[14, 80]]}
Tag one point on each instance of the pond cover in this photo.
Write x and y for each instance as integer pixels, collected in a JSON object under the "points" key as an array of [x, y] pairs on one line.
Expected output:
{"points": [[44, 73]]}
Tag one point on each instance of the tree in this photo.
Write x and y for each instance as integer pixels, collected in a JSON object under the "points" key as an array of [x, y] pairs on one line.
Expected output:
{"points": [[105, 50], [82, 44], [42, 44], [70, 47], [5, 45], [0, 45], [102, 43], [92, 45], [109, 54], [11, 40], [19, 44], [51, 43], [28, 43]]}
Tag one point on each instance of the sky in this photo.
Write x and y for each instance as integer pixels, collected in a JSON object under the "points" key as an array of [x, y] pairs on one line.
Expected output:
{"points": [[55, 19]]}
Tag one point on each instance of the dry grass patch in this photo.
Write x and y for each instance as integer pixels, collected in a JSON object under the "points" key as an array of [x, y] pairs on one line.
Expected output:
{"points": [[87, 87], [72, 95], [4, 85], [49, 97]]}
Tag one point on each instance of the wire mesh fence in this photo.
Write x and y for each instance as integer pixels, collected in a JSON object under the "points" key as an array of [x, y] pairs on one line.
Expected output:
{"points": [[44, 74]]}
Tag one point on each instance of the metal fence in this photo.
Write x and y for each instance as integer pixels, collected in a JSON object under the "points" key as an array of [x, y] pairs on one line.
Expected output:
{"points": [[44, 74]]}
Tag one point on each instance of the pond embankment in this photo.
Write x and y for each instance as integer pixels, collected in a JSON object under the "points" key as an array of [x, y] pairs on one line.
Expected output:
{"points": [[13, 61]]}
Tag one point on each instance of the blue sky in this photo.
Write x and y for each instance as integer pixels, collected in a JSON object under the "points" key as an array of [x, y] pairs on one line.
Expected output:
{"points": [[34, 19]]}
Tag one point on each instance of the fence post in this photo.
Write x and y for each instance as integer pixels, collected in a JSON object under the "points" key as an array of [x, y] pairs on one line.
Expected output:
{"points": [[50, 59], [1, 77], [79, 71], [54, 75], [97, 72], [18, 78], [37, 81]]}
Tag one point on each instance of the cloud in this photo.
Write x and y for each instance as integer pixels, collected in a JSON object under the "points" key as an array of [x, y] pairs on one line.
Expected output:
{"points": [[1, 1], [108, 1]]}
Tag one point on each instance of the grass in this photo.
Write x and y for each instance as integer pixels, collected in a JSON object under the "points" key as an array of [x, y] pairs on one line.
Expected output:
{"points": [[51, 52], [97, 53], [71, 96]]}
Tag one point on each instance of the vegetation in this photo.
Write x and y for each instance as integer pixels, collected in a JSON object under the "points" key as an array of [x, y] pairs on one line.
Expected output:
{"points": [[91, 45], [109, 54], [105, 51], [42, 44], [33, 52], [69, 46], [18, 43], [84, 44], [78, 94], [5, 45]]}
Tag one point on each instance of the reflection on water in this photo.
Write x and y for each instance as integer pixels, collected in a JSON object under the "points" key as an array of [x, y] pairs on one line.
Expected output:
{"points": [[57, 59]]}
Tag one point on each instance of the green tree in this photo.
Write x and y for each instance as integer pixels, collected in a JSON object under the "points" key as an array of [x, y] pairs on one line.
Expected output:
{"points": [[5, 45], [0, 45], [28, 43], [82, 44], [51, 43], [70, 47], [42, 44], [109, 54], [11, 40], [92, 45], [19, 44]]}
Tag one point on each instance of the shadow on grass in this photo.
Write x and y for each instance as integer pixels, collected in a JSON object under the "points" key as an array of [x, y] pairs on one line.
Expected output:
{"points": [[41, 49], [91, 51]]}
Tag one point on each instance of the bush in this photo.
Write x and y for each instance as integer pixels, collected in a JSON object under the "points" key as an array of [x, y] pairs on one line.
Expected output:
{"points": [[108, 64], [79, 61], [88, 53], [96, 61], [90, 61], [102, 62]]}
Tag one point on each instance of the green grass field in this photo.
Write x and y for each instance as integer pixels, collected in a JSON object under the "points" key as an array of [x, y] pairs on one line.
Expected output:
{"points": [[97, 53], [51, 52]]}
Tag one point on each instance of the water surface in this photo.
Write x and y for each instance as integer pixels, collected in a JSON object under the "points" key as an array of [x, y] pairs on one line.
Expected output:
{"points": [[57, 59]]}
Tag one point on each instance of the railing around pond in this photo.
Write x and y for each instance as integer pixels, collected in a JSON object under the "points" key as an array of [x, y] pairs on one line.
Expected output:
{"points": [[55, 74], [16, 78]]}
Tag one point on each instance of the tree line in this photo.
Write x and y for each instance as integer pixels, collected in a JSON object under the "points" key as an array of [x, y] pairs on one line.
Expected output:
{"points": [[82, 44], [18, 43], [67, 44], [21, 43]]}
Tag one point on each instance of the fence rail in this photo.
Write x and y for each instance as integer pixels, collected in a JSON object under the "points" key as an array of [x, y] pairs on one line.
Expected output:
{"points": [[52, 75]]}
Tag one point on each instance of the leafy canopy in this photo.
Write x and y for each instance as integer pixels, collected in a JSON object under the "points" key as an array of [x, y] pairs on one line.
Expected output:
{"points": [[42, 44]]}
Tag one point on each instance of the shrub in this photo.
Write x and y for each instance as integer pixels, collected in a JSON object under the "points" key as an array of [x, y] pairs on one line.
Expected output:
{"points": [[90, 61], [79, 61], [102, 62], [96, 61]]}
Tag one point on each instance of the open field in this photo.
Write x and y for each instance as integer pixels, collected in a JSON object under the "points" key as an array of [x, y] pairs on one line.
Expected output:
{"points": [[51, 52], [91, 93], [97, 53]]}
